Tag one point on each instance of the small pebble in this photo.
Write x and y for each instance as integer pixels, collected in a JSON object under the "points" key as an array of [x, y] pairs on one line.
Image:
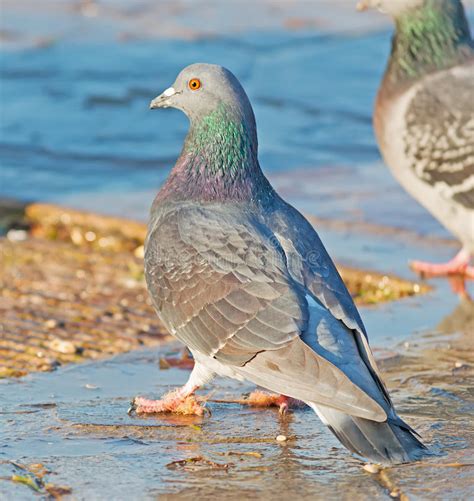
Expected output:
{"points": [[140, 252], [130, 283], [281, 438], [90, 236], [107, 241], [76, 236], [36, 299], [62, 346], [17, 235], [460, 367]]}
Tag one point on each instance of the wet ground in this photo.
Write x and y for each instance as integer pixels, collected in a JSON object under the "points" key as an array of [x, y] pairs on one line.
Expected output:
{"points": [[70, 75], [79, 430], [74, 421]]}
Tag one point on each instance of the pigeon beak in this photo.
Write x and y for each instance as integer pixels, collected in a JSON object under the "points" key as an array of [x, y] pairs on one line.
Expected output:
{"points": [[362, 5], [163, 100]]}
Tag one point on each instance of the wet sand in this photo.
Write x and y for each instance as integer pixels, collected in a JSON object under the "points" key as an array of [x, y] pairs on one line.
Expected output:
{"points": [[74, 422], [72, 289]]}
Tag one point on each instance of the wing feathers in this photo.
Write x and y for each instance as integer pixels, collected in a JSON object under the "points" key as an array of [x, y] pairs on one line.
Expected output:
{"points": [[297, 370], [439, 136], [222, 283]]}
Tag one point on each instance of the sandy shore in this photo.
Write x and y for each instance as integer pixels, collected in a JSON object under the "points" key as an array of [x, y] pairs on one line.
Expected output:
{"points": [[72, 289]]}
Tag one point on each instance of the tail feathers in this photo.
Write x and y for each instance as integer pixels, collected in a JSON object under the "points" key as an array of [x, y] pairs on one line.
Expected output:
{"points": [[389, 442]]}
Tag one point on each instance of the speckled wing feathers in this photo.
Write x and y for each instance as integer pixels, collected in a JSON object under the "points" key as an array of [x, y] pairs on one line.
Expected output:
{"points": [[220, 283], [222, 290], [439, 136]]}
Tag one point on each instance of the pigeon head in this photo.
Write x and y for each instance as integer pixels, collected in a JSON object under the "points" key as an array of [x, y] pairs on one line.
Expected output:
{"points": [[201, 89], [430, 35], [219, 159], [398, 8], [393, 8]]}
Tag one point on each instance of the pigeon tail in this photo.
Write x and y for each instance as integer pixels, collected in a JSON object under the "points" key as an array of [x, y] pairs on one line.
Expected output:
{"points": [[389, 442]]}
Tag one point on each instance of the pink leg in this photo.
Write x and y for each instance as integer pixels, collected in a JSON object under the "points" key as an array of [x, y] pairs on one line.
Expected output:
{"points": [[181, 401], [458, 285], [457, 266], [284, 404], [176, 401], [263, 399]]}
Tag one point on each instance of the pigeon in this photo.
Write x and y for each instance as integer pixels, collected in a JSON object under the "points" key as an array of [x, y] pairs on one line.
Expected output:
{"points": [[424, 116], [243, 280]]}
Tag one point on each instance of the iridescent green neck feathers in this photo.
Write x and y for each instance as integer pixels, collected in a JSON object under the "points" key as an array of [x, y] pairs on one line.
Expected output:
{"points": [[219, 161], [430, 38], [221, 144]]}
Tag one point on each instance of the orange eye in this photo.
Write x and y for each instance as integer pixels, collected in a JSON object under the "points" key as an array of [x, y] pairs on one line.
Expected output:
{"points": [[194, 84]]}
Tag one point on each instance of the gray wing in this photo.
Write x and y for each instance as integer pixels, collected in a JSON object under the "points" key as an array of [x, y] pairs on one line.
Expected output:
{"points": [[221, 285], [220, 282], [311, 266], [439, 138]]}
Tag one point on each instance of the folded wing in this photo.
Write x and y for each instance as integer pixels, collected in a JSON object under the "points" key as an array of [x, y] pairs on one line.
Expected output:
{"points": [[224, 289], [439, 135]]}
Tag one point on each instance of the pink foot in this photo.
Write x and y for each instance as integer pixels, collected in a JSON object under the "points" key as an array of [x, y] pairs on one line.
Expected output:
{"points": [[264, 399], [174, 402], [283, 404], [457, 266]]}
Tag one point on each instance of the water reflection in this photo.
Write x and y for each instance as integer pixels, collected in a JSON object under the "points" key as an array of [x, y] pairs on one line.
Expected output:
{"points": [[461, 319]]}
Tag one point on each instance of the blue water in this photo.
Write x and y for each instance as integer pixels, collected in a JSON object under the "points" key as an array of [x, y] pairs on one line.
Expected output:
{"points": [[75, 116], [75, 127]]}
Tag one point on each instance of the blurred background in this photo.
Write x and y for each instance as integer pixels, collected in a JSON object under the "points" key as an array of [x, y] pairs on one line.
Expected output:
{"points": [[77, 78]]}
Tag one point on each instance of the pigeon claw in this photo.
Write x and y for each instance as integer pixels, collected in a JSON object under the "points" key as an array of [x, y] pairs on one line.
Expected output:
{"points": [[283, 409], [172, 402], [133, 407], [459, 265]]}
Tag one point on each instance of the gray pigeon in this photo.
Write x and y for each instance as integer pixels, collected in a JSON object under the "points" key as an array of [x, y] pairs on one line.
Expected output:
{"points": [[424, 116], [243, 280]]}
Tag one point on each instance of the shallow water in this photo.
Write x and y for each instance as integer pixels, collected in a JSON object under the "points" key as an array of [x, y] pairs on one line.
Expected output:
{"points": [[76, 129], [74, 420], [85, 438], [88, 130]]}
